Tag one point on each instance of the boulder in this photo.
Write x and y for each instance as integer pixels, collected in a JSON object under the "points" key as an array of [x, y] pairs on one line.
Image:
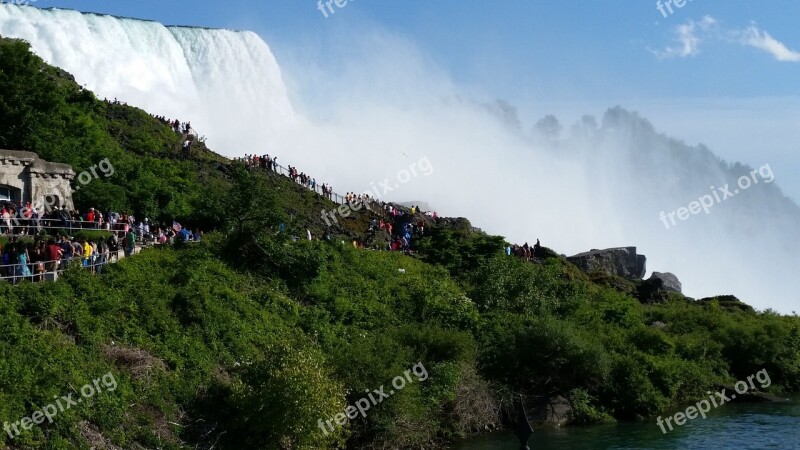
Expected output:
{"points": [[658, 325], [651, 291], [669, 281], [557, 411], [623, 262], [377, 239], [727, 302]]}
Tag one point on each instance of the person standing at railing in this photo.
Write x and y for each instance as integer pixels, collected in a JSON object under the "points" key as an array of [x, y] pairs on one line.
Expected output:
{"points": [[54, 253], [111, 220], [93, 256], [77, 219], [66, 251], [130, 243], [113, 247], [24, 212], [38, 258], [77, 250], [86, 252], [5, 217], [7, 259], [98, 219], [66, 218], [35, 218], [22, 269]]}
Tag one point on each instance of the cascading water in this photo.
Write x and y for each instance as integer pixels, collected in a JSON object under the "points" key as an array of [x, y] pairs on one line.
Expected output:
{"points": [[213, 78]]}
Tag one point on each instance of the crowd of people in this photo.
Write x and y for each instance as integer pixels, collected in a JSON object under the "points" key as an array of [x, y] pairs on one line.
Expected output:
{"points": [[412, 227], [404, 226], [264, 162], [26, 219], [268, 163], [183, 129], [31, 252], [115, 102], [33, 260], [525, 251]]}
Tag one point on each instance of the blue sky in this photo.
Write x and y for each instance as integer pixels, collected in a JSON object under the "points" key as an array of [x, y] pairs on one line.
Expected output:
{"points": [[719, 73]]}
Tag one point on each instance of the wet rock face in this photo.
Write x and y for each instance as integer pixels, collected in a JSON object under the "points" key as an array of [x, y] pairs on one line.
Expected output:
{"points": [[623, 262]]}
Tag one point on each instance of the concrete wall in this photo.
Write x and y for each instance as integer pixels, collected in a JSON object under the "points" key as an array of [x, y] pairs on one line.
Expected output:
{"points": [[36, 180]]}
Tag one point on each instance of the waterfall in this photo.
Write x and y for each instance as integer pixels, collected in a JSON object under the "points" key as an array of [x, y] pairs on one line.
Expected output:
{"points": [[225, 82]]}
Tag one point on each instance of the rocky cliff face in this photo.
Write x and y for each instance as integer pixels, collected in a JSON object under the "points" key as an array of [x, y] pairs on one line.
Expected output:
{"points": [[623, 262]]}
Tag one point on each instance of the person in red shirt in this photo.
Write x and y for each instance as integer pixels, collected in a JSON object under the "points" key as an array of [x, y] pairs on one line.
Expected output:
{"points": [[54, 253]]}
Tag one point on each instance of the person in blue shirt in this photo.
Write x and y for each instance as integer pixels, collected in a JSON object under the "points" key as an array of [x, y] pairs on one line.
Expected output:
{"points": [[185, 235], [66, 248]]}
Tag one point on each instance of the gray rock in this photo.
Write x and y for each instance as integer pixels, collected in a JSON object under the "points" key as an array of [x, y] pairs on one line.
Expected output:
{"points": [[623, 262], [669, 281], [557, 411]]}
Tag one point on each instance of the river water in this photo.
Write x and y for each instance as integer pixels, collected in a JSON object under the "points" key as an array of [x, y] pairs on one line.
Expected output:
{"points": [[739, 426]]}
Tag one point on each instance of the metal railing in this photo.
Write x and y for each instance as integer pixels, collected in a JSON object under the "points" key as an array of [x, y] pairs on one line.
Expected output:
{"points": [[332, 196], [281, 170], [34, 226], [95, 263]]}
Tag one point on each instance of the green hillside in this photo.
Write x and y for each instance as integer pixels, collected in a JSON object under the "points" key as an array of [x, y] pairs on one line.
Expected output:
{"points": [[253, 340]]}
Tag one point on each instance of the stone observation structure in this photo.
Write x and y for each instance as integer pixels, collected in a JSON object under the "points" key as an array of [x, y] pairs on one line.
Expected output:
{"points": [[24, 177]]}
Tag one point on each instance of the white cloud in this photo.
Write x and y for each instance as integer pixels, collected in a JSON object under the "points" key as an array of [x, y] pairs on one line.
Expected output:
{"points": [[687, 39], [754, 37], [690, 35]]}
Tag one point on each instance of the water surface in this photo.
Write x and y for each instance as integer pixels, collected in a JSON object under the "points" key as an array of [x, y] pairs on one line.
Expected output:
{"points": [[742, 426]]}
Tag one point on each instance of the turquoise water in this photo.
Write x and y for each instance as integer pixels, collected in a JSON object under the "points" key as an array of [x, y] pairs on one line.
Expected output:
{"points": [[755, 426]]}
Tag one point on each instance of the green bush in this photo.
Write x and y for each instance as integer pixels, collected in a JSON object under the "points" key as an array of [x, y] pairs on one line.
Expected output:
{"points": [[584, 411]]}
